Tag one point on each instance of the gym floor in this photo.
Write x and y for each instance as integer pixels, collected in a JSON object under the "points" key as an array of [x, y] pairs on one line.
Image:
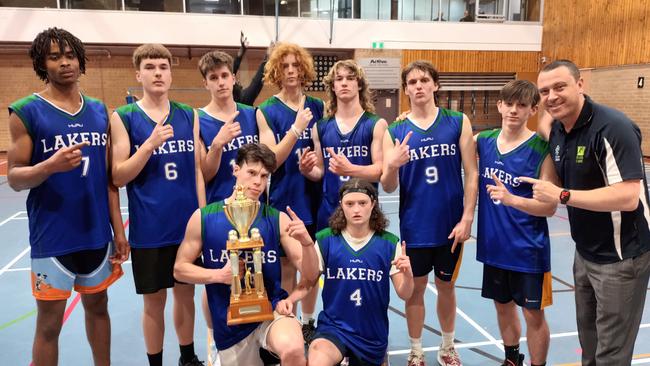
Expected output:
{"points": [[477, 332]]}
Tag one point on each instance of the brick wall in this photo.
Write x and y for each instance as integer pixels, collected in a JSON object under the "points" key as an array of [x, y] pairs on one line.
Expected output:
{"points": [[108, 79], [617, 88]]}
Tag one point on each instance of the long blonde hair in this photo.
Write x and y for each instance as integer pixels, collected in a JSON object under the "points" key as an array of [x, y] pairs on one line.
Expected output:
{"points": [[273, 69], [365, 96]]}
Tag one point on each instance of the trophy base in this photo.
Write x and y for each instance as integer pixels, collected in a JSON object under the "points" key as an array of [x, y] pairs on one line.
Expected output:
{"points": [[249, 309], [243, 245]]}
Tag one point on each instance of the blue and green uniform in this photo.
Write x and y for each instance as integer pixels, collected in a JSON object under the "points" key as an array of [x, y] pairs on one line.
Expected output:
{"points": [[214, 233], [356, 292], [431, 186], [162, 197], [221, 185], [288, 186], [507, 237], [68, 211], [355, 145]]}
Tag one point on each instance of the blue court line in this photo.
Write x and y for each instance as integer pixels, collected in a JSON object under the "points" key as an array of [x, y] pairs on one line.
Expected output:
{"points": [[18, 319]]}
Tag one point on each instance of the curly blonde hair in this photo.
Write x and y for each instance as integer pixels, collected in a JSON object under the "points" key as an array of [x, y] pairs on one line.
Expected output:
{"points": [[273, 72], [365, 95]]}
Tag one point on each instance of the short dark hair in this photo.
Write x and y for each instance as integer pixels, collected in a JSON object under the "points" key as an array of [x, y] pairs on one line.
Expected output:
{"points": [[42, 44], [422, 65], [522, 91], [378, 221], [256, 153], [573, 69], [213, 60]]}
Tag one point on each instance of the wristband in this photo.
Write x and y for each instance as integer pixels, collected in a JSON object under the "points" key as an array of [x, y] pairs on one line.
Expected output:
{"points": [[295, 131]]}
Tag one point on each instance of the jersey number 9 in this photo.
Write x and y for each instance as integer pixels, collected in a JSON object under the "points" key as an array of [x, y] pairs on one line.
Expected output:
{"points": [[431, 173]]}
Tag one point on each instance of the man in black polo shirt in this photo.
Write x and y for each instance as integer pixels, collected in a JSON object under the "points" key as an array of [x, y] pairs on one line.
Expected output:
{"points": [[597, 156]]}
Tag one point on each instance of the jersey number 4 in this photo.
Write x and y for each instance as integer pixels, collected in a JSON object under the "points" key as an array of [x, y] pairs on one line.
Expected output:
{"points": [[355, 297]]}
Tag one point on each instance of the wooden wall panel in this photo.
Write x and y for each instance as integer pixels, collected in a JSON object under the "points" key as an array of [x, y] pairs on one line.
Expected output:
{"points": [[476, 61], [597, 33], [473, 61]]}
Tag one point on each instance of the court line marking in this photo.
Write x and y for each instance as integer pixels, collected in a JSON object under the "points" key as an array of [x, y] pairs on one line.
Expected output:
{"points": [[13, 261], [471, 322], [11, 218], [489, 343]]}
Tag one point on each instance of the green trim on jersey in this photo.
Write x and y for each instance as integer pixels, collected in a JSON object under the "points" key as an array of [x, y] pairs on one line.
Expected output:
{"points": [[17, 107], [215, 207], [538, 144]]}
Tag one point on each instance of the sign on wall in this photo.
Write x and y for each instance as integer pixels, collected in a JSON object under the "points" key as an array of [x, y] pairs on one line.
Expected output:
{"points": [[382, 73]]}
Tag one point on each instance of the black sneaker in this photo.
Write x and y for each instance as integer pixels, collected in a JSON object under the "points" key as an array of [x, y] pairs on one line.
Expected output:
{"points": [[520, 362], [193, 362], [308, 331]]}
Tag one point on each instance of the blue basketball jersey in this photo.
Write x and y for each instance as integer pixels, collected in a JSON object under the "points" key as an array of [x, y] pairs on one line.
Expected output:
{"points": [[430, 184], [355, 145], [162, 197], [508, 238], [68, 212], [288, 186], [221, 185], [214, 229], [356, 292]]}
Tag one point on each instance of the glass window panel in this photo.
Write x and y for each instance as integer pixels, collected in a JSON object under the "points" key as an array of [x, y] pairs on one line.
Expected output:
{"points": [[92, 4], [214, 6], [422, 10], [444, 8], [29, 3], [321, 9], [407, 9], [456, 10], [287, 8], [154, 5]]}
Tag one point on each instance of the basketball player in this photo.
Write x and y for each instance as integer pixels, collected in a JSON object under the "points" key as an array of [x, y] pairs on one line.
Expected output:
{"points": [[358, 259], [348, 141], [513, 242], [58, 151], [225, 125], [207, 233], [423, 155], [155, 155], [285, 121]]}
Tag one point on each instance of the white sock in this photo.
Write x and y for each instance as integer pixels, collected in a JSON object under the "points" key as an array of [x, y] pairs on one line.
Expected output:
{"points": [[306, 317], [447, 339], [416, 345]]}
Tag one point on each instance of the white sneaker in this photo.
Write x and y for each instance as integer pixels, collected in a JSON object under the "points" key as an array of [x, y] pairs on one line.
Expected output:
{"points": [[415, 359], [448, 357]]}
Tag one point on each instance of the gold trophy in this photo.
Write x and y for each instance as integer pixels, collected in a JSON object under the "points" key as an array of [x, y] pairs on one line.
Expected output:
{"points": [[248, 306]]}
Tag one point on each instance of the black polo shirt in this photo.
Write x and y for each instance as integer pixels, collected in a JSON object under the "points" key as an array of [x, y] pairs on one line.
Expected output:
{"points": [[603, 148]]}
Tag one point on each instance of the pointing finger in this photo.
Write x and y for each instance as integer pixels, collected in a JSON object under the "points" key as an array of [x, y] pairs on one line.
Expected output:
{"points": [[529, 180], [78, 146], [496, 180], [292, 214], [407, 138]]}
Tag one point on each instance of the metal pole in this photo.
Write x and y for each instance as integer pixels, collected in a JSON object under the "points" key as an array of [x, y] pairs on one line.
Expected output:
{"points": [[331, 20], [277, 19], [241, 7]]}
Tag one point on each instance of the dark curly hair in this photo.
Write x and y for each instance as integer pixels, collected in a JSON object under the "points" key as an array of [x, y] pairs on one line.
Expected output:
{"points": [[378, 221], [43, 42]]}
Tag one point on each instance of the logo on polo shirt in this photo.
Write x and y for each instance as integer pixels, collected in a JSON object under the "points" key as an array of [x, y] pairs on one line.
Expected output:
{"points": [[580, 154]]}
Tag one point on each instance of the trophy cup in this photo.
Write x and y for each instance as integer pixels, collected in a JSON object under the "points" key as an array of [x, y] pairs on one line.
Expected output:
{"points": [[252, 304]]}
